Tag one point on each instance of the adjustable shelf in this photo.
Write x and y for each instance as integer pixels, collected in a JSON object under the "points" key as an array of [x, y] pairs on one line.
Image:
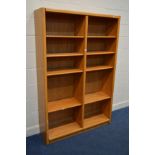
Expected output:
{"points": [[64, 55], [97, 96], [99, 52], [54, 36], [96, 68], [102, 37], [76, 62], [63, 104], [64, 71]]}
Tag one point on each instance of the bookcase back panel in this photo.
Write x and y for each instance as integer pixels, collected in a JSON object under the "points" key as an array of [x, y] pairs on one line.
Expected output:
{"points": [[62, 117], [99, 81], [100, 44], [94, 81], [62, 45], [93, 109], [100, 60], [97, 108], [64, 24], [102, 26]]}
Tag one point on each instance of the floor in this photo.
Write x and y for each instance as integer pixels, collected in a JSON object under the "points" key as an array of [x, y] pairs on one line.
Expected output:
{"points": [[110, 139]]}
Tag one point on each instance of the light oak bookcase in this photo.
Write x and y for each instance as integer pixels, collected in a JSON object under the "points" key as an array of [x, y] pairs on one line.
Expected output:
{"points": [[76, 62]]}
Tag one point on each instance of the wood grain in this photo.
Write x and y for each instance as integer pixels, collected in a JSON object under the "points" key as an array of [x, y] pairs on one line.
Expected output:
{"points": [[41, 70], [76, 61], [63, 104]]}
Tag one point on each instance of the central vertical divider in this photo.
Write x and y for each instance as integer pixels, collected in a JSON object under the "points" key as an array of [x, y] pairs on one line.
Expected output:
{"points": [[85, 64]]}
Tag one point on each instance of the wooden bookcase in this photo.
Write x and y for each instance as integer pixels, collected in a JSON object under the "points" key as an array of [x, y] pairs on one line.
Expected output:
{"points": [[76, 62]]}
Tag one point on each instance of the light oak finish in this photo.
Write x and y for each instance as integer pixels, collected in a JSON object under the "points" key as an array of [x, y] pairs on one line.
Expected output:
{"points": [[64, 71], [95, 120], [63, 130], [40, 31], [76, 63], [53, 36], [102, 37], [64, 55], [63, 104], [81, 13], [97, 96], [99, 52], [96, 68]]}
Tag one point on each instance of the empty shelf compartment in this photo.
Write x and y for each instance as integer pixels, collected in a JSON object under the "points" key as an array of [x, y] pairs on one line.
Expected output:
{"points": [[61, 24], [97, 62], [63, 64], [98, 85], [65, 88], [97, 113], [101, 44], [102, 26], [64, 122], [64, 45]]}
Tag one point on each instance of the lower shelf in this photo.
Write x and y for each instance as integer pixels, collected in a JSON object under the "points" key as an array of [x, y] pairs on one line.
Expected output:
{"points": [[95, 120], [63, 130], [97, 96], [63, 104]]}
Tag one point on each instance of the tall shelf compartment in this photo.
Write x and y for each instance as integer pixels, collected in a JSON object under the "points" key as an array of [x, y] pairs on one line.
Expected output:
{"points": [[76, 63]]}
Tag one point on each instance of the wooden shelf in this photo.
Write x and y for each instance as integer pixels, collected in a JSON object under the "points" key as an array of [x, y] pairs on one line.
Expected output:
{"points": [[101, 36], [77, 52], [95, 120], [63, 130], [94, 97], [63, 104], [49, 55], [64, 71], [99, 52], [96, 68], [57, 36]]}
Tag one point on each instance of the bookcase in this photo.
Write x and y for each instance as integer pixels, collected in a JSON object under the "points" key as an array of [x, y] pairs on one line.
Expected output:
{"points": [[76, 63]]}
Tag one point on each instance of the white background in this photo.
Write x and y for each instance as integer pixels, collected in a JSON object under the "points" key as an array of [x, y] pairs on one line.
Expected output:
{"points": [[114, 7], [13, 78]]}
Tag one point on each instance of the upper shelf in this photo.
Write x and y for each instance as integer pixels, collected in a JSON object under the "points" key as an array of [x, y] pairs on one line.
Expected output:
{"points": [[62, 36], [101, 37], [63, 54], [99, 52], [67, 36], [64, 71], [96, 68]]}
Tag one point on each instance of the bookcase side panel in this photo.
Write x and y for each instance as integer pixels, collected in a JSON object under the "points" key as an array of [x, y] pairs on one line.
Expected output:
{"points": [[41, 70], [115, 59]]}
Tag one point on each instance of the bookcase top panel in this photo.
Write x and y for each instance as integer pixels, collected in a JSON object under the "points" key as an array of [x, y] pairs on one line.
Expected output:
{"points": [[81, 13]]}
